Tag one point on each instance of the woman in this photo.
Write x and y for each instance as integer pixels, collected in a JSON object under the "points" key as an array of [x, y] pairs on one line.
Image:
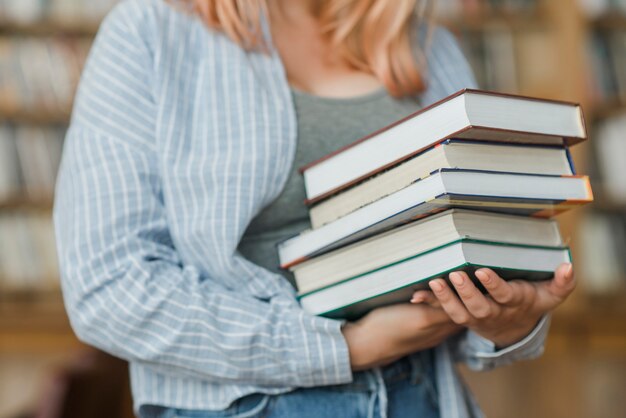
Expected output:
{"points": [[179, 176]]}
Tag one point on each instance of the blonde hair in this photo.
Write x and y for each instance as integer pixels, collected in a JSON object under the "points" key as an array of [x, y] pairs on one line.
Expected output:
{"points": [[373, 36]]}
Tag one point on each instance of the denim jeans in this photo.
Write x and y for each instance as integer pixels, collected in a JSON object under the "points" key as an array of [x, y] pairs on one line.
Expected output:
{"points": [[403, 389]]}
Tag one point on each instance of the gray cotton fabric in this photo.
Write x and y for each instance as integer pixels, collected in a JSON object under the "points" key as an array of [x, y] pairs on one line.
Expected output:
{"points": [[324, 125]]}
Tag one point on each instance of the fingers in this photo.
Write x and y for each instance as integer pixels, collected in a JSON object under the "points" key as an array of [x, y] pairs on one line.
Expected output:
{"points": [[450, 303], [564, 282], [427, 297], [500, 290], [476, 303], [552, 293]]}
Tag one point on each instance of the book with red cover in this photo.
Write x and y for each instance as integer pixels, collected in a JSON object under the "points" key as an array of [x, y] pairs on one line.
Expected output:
{"points": [[467, 114]]}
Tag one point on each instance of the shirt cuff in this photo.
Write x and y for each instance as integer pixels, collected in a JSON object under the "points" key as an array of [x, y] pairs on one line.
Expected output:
{"points": [[322, 357], [529, 347]]}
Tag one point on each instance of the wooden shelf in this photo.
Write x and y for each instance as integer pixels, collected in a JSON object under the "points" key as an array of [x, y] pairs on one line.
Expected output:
{"points": [[589, 324], [36, 311], [37, 293], [23, 203], [49, 28], [35, 116], [35, 324]]}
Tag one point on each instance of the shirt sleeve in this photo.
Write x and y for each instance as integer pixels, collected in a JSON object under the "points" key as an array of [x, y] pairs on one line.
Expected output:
{"points": [[480, 354], [127, 290], [447, 70]]}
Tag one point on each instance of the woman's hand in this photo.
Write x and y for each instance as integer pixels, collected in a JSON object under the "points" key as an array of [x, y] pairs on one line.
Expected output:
{"points": [[390, 333], [511, 309]]}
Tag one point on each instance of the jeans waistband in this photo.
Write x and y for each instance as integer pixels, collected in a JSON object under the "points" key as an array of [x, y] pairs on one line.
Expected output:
{"points": [[415, 367]]}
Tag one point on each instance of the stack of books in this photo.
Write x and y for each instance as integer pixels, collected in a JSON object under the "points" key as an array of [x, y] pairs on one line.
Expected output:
{"points": [[463, 184]]}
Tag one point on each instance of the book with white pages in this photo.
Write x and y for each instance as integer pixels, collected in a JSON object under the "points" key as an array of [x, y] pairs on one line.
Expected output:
{"points": [[421, 236], [464, 154], [513, 193], [467, 114], [354, 297]]}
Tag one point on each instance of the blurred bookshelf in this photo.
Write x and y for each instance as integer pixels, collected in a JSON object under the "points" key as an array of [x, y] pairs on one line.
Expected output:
{"points": [[572, 50], [43, 46], [564, 49]]}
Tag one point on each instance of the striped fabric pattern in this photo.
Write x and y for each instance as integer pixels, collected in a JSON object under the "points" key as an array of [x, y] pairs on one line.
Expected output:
{"points": [[177, 140]]}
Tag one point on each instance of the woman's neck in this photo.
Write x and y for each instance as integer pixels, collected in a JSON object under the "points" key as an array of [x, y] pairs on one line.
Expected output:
{"points": [[312, 63]]}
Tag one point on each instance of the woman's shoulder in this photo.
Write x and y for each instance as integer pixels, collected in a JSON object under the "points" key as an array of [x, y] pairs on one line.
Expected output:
{"points": [[445, 66], [157, 24], [133, 15]]}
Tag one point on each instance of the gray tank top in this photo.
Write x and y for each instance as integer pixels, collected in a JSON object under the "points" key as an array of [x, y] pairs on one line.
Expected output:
{"points": [[324, 125]]}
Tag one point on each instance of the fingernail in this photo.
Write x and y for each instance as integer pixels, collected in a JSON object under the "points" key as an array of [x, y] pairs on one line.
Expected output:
{"points": [[436, 286], [456, 278], [482, 275], [570, 268]]}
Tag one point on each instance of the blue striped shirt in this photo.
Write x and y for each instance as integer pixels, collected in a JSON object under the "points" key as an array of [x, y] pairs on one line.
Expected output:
{"points": [[178, 139]]}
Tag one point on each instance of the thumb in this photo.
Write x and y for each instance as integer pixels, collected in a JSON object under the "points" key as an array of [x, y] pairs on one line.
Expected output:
{"points": [[563, 283]]}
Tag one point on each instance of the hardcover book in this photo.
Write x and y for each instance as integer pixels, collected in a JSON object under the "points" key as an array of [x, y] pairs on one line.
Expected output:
{"points": [[395, 283], [421, 236], [467, 114], [470, 155]]}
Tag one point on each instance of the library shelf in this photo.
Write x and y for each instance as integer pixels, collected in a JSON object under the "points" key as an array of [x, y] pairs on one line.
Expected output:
{"points": [[48, 28], [26, 203], [35, 116], [34, 321]]}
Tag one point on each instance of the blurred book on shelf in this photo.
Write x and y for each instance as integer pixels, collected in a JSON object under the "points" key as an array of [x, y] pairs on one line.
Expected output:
{"points": [[598, 8], [606, 53], [457, 9], [509, 44], [27, 252], [604, 246], [610, 170], [62, 11], [42, 54], [607, 50], [40, 75], [29, 161]]}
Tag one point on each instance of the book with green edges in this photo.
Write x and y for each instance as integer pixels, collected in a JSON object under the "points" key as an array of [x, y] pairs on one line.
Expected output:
{"points": [[396, 282], [418, 237]]}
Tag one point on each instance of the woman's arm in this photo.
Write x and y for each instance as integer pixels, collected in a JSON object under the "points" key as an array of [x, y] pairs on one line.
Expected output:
{"points": [[448, 72], [127, 290], [508, 324]]}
